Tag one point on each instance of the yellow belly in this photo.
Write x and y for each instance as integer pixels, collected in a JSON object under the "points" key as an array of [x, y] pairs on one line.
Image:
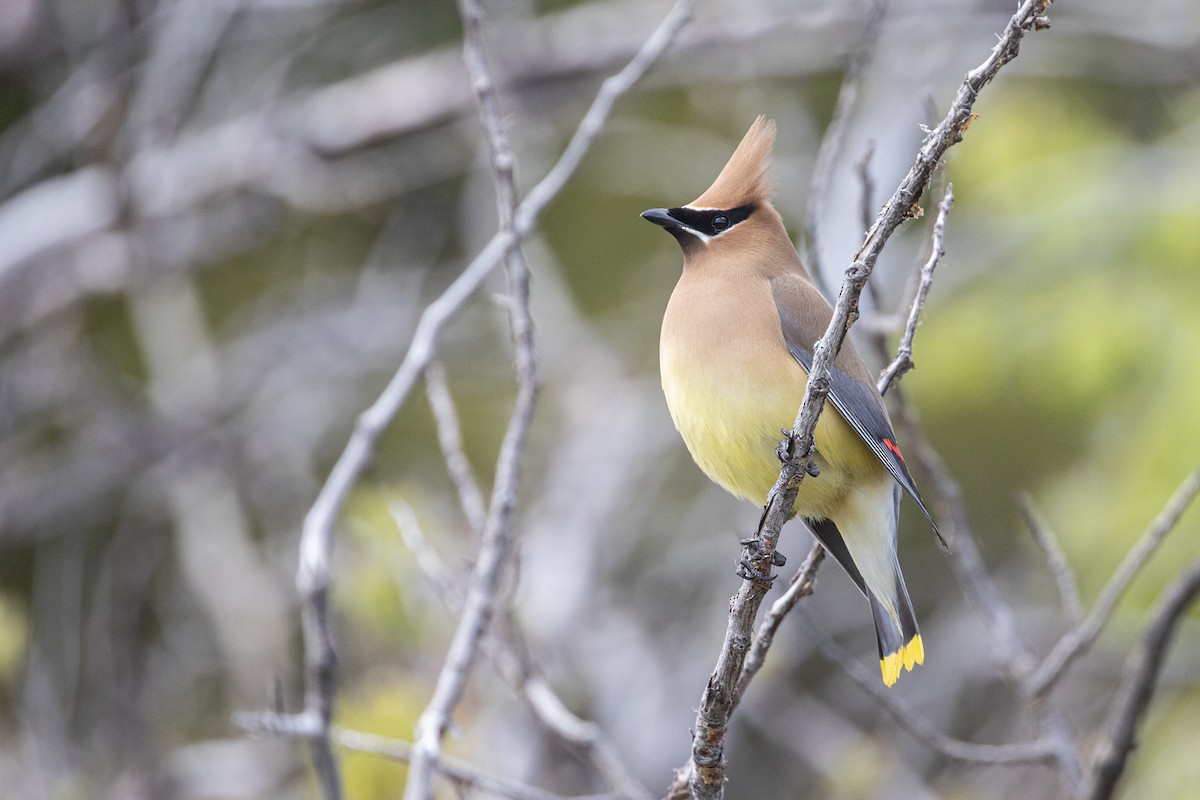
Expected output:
{"points": [[731, 421]]}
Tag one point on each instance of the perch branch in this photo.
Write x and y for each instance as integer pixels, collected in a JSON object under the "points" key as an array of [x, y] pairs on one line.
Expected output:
{"points": [[707, 774], [800, 586]]}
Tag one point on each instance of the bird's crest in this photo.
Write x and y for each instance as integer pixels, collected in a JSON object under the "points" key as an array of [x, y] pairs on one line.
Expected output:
{"points": [[744, 179]]}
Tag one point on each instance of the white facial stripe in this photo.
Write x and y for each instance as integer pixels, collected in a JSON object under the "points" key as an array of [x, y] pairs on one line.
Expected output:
{"points": [[704, 237]]}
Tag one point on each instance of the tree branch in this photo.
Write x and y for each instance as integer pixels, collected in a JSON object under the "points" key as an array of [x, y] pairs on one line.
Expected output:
{"points": [[1011, 652], [1138, 681], [316, 541], [921, 729], [903, 361], [482, 601], [1056, 559], [835, 137], [1076, 641], [800, 586], [449, 433], [455, 770], [708, 757], [509, 652]]}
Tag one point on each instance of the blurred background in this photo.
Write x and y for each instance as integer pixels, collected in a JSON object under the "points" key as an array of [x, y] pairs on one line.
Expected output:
{"points": [[220, 219]]}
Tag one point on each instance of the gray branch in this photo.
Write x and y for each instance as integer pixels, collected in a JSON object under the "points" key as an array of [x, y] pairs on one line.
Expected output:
{"points": [[455, 770], [496, 546], [707, 777], [316, 542], [834, 139], [1056, 559], [1138, 681], [1037, 752], [903, 361], [1076, 641]]}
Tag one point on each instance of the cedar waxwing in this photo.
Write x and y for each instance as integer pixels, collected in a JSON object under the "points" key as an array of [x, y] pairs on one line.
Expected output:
{"points": [[737, 340]]}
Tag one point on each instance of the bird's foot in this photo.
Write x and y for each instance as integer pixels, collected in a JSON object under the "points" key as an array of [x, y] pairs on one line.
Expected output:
{"points": [[784, 452], [752, 549]]}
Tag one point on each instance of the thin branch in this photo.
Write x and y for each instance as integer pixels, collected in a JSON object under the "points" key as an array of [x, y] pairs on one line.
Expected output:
{"points": [[834, 138], [455, 770], [1056, 559], [428, 561], [866, 182], [1138, 682], [496, 546], [520, 670], [919, 727], [717, 701], [450, 439], [1012, 654], [509, 652], [903, 361], [800, 586], [316, 540], [1076, 641]]}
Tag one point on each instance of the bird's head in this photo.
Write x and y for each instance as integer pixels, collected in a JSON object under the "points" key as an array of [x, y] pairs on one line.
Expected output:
{"points": [[736, 207]]}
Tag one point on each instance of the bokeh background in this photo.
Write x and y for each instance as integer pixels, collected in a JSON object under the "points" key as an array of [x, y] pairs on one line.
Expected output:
{"points": [[219, 220]]}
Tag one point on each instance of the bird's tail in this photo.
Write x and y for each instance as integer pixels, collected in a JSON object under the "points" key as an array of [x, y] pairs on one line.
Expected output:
{"points": [[899, 639], [896, 630]]}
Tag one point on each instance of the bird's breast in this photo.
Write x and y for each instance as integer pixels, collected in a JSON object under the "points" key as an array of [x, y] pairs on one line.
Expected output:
{"points": [[731, 386]]}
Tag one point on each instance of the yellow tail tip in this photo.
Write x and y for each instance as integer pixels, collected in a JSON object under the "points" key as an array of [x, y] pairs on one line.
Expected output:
{"points": [[913, 653], [890, 666], [908, 656]]}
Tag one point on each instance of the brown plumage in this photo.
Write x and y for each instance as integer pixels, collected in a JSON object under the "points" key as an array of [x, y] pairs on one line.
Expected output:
{"points": [[737, 337]]}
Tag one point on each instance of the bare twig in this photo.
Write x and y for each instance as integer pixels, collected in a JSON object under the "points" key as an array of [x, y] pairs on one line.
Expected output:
{"points": [[866, 182], [428, 561], [496, 548], [316, 541], [920, 728], [449, 433], [1078, 639], [1012, 652], [834, 138], [800, 586], [716, 704], [520, 670], [903, 361], [454, 770], [1138, 680], [1056, 559], [509, 651]]}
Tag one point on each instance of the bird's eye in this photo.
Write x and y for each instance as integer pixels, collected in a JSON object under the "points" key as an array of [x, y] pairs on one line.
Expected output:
{"points": [[720, 223]]}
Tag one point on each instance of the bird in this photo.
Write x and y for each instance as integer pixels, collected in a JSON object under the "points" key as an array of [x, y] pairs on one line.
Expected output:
{"points": [[738, 337]]}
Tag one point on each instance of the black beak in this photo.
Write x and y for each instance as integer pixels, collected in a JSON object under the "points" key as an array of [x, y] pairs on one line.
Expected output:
{"points": [[660, 216]]}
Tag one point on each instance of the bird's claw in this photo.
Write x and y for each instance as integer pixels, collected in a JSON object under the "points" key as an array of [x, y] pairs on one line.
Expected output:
{"points": [[753, 549], [784, 453], [747, 571]]}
